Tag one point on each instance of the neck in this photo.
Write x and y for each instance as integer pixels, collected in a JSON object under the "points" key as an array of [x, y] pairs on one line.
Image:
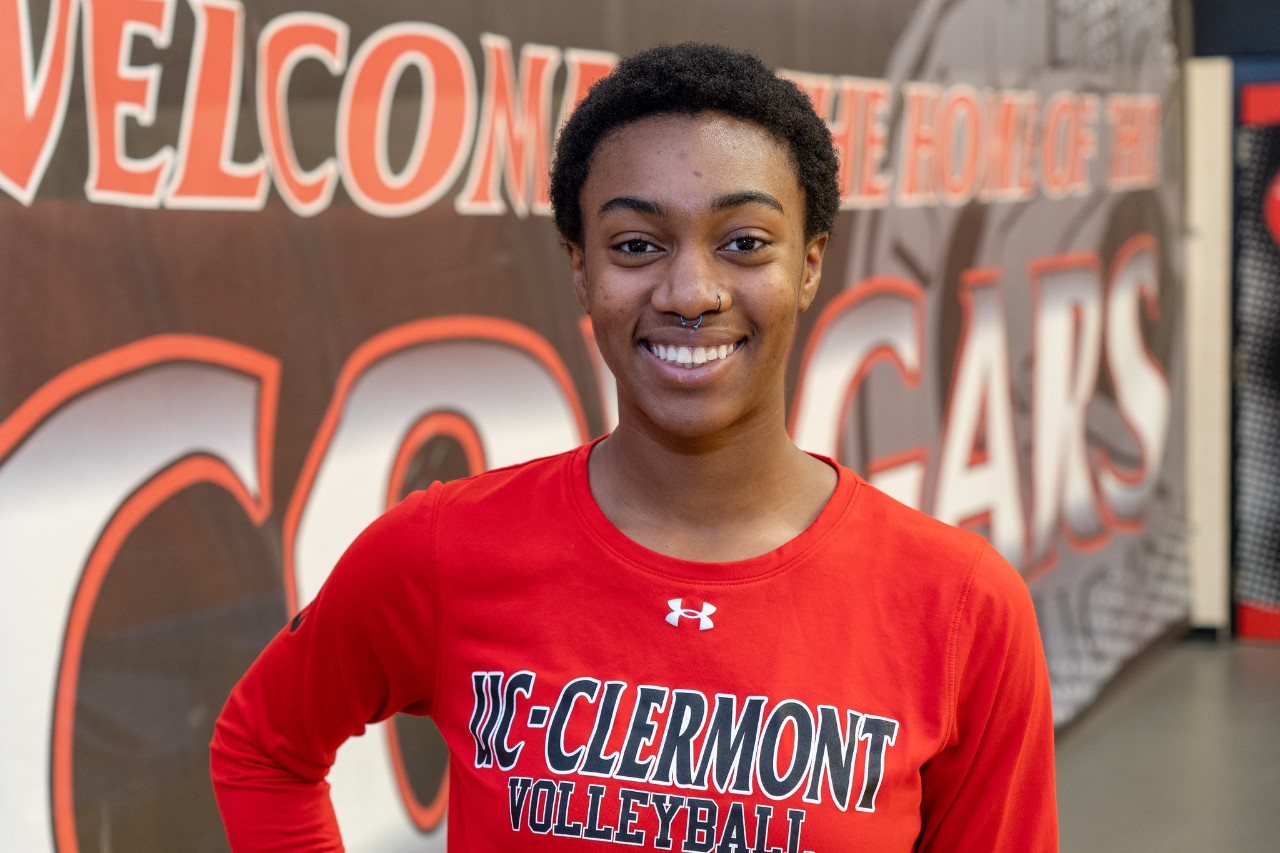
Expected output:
{"points": [[714, 499]]}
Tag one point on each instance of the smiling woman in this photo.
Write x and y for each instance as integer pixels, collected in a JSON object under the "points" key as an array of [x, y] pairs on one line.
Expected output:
{"points": [[690, 630], [699, 216]]}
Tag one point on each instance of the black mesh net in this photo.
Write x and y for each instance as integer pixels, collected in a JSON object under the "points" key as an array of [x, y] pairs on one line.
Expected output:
{"points": [[1257, 372]]}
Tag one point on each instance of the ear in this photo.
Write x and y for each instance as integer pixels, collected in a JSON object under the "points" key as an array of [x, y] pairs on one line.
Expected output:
{"points": [[812, 269], [578, 267]]}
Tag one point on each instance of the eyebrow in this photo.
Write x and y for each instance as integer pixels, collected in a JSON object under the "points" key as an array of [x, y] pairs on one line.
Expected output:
{"points": [[738, 199], [627, 202], [724, 202]]}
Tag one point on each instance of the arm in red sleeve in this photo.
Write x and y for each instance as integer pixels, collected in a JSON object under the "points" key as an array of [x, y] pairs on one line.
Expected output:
{"points": [[991, 787], [363, 650]]}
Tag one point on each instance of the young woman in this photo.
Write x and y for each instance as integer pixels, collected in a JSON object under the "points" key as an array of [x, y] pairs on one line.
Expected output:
{"points": [[688, 635]]}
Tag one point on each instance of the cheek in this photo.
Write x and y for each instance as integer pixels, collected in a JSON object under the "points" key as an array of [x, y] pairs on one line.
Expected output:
{"points": [[614, 295], [608, 310], [611, 319], [781, 300], [777, 315]]}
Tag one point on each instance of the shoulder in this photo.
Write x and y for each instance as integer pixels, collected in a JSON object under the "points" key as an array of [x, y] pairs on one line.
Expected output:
{"points": [[951, 563], [509, 483], [511, 501], [410, 523], [911, 534]]}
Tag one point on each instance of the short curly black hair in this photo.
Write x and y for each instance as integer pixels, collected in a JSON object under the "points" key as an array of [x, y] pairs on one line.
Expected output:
{"points": [[687, 79]]}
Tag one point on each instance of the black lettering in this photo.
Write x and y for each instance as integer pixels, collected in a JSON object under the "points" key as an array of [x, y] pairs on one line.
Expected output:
{"points": [[688, 713], [517, 793], [597, 763], [795, 817], [562, 826], [542, 806], [521, 682], [640, 734], [493, 699], [733, 838], [797, 714], [557, 759], [627, 816], [881, 733], [836, 752], [731, 744], [700, 835], [666, 807], [480, 708], [594, 829], [764, 816]]}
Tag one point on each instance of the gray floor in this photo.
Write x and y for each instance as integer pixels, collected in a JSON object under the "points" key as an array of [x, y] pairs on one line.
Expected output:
{"points": [[1181, 754]]}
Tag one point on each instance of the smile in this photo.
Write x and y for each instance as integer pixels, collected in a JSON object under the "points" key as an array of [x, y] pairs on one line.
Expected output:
{"points": [[685, 356]]}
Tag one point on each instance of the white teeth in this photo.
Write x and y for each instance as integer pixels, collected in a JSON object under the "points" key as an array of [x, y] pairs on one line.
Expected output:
{"points": [[690, 356]]}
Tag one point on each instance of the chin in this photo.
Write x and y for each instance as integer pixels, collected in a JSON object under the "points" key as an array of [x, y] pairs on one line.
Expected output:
{"points": [[700, 427]]}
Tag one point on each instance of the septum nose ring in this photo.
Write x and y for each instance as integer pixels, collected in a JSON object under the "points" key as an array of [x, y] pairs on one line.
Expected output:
{"points": [[684, 321]]}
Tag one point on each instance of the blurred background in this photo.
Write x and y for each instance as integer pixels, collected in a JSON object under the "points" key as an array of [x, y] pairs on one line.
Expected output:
{"points": [[266, 267]]}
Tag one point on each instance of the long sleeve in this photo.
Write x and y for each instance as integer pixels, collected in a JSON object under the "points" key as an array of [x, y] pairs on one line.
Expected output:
{"points": [[991, 787], [364, 649]]}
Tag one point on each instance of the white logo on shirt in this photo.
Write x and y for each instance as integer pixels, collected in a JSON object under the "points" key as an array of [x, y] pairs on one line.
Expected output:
{"points": [[679, 611]]}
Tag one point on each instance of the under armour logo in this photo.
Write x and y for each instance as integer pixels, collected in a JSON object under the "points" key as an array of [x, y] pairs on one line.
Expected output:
{"points": [[679, 611]]}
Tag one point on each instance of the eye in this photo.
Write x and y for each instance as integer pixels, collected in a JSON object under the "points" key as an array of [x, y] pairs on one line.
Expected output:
{"points": [[635, 246], [746, 244]]}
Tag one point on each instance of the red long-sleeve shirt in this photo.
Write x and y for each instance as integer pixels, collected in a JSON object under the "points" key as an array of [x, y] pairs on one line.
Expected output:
{"points": [[876, 684]]}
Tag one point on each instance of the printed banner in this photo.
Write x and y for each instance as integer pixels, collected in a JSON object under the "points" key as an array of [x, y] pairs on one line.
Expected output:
{"points": [[270, 266]]}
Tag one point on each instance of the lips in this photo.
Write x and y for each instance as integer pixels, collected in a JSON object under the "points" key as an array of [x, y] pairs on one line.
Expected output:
{"points": [[691, 356]]}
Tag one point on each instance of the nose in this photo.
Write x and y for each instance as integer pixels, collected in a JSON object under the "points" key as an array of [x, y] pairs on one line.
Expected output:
{"points": [[691, 287]]}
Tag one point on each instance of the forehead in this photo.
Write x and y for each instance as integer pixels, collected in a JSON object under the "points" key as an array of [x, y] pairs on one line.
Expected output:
{"points": [[686, 156]]}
